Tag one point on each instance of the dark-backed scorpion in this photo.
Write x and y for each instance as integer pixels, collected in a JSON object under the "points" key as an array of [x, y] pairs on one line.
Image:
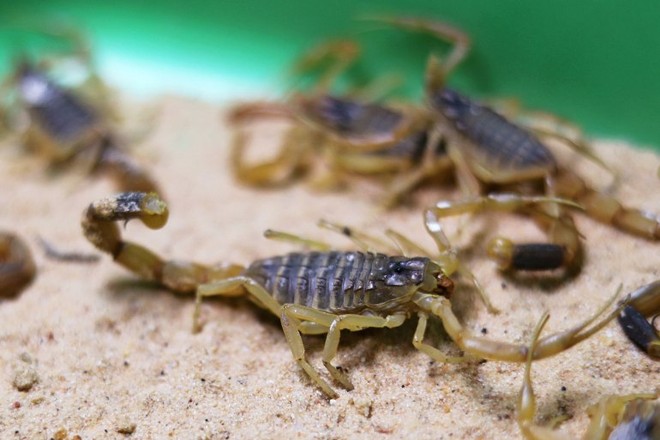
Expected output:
{"points": [[488, 153], [321, 292], [62, 126]]}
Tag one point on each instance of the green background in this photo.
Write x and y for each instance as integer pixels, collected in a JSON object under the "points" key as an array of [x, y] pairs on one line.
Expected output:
{"points": [[594, 62]]}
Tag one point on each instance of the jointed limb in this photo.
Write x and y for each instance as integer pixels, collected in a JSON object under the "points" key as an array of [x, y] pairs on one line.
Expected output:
{"points": [[294, 317], [502, 351]]}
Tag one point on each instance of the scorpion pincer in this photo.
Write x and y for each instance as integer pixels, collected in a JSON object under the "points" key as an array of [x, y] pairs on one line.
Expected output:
{"points": [[623, 417], [319, 292]]}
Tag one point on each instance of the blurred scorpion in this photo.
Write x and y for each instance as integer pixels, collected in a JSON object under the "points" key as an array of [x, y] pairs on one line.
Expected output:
{"points": [[63, 127], [487, 152], [324, 292]]}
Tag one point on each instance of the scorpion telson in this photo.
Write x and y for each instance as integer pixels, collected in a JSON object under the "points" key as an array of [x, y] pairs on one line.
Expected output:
{"points": [[320, 292]]}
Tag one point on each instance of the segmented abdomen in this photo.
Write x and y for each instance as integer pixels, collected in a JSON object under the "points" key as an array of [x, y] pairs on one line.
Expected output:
{"points": [[505, 143], [57, 111], [497, 140], [332, 281], [353, 118]]}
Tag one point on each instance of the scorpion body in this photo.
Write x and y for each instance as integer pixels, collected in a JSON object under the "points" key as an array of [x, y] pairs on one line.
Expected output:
{"points": [[62, 127], [339, 282], [320, 292], [494, 139], [70, 127], [57, 114]]}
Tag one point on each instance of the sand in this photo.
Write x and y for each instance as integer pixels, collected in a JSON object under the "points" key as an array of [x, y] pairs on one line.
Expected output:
{"points": [[107, 356]]}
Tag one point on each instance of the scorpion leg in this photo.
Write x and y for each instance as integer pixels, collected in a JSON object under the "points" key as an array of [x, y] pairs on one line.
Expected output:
{"points": [[644, 301], [526, 399], [293, 318], [332, 59], [460, 40], [17, 268], [291, 325], [296, 239], [290, 161], [484, 348], [233, 287], [434, 353], [560, 252], [364, 241], [352, 323], [448, 257], [337, 56], [432, 165]]}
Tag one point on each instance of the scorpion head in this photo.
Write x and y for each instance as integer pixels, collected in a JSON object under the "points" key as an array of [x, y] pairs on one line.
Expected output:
{"points": [[403, 277], [450, 103]]}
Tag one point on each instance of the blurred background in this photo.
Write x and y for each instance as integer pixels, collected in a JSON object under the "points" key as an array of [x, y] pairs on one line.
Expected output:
{"points": [[595, 62]]}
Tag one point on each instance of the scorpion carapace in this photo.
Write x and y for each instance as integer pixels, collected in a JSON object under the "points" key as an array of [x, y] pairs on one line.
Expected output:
{"points": [[17, 268], [318, 292], [628, 416]]}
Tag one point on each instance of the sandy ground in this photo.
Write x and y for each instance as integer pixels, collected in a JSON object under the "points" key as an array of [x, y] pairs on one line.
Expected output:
{"points": [[111, 356]]}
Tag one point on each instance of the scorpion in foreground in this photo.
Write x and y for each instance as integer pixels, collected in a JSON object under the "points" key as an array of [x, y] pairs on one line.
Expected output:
{"points": [[63, 127], [620, 417], [488, 153], [321, 292], [17, 268]]}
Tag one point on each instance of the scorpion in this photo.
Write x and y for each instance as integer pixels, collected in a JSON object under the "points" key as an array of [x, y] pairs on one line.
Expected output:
{"points": [[321, 292], [645, 301], [64, 127], [487, 151], [17, 268], [622, 417]]}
